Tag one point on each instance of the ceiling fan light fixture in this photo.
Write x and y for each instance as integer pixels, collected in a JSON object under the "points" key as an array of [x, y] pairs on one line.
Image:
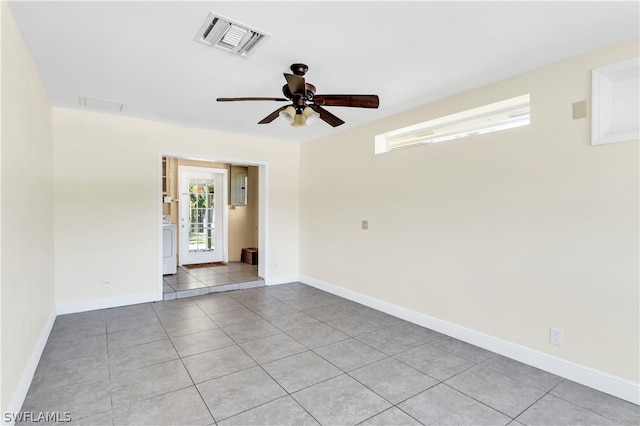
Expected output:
{"points": [[310, 116], [288, 114], [299, 121]]}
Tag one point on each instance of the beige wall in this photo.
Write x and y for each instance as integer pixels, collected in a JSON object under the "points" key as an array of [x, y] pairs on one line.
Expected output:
{"points": [[507, 233], [27, 210], [106, 192]]}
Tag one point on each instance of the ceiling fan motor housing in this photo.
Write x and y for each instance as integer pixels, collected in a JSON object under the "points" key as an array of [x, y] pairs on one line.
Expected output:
{"points": [[299, 69]]}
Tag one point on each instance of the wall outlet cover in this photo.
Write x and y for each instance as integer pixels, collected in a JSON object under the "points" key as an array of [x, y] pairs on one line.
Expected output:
{"points": [[555, 336]]}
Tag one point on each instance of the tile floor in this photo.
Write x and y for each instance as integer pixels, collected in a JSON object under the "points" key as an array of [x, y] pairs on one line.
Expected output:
{"points": [[199, 281], [291, 354]]}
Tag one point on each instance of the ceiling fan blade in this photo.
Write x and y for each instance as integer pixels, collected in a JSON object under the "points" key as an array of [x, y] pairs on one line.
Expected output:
{"points": [[250, 99], [327, 116], [296, 84], [360, 101], [269, 118]]}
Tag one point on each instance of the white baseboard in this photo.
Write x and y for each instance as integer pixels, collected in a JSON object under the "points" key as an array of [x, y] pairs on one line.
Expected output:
{"points": [[282, 279], [106, 302], [587, 376], [29, 370]]}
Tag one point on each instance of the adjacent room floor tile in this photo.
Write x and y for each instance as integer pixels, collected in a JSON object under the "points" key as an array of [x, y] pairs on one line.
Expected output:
{"points": [[340, 400], [195, 285], [442, 405], [242, 391], [283, 411], [215, 280]]}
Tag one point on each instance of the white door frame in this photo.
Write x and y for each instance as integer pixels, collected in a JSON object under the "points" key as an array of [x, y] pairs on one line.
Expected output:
{"points": [[221, 201], [263, 207]]}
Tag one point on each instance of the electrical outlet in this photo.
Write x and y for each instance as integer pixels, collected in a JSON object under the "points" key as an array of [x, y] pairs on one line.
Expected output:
{"points": [[555, 336], [104, 278], [365, 224]]}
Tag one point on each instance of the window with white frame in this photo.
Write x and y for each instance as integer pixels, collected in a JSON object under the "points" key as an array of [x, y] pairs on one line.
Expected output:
{"points": [[506, 114]]}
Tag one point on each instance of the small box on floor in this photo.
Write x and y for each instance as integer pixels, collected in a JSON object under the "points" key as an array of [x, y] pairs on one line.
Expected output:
{"points": [[250, 255]]}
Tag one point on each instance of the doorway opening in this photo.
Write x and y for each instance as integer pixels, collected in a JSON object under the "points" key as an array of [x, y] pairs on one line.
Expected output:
{"points": [[217, 211]]}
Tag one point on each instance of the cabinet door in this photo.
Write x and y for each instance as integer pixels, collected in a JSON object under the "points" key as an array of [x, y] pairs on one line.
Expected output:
{"points": [[239, 181]]}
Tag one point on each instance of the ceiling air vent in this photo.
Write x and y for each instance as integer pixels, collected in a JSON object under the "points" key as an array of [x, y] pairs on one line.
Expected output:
{"points": [[103, 104], [233, 37]]}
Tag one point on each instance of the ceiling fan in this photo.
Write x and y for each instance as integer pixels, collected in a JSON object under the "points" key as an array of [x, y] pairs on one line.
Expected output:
{"points": [[306, 107]]}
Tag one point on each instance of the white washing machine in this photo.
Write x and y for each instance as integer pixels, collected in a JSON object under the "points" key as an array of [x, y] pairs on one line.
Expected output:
{"points": [[169, 259]]}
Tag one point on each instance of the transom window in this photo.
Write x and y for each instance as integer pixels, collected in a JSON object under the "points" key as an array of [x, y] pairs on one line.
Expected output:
{"points": [[507, 114]]}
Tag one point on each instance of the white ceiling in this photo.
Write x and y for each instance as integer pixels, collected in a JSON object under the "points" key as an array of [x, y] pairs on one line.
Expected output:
{"points": [[409, 53]]}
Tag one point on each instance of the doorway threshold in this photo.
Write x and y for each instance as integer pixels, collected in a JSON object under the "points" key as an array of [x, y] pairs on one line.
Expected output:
{"points": [[200, 281]]}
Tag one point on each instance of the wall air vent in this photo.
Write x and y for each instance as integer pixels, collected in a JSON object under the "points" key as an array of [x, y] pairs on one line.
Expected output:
{"points": [[233, 37]]}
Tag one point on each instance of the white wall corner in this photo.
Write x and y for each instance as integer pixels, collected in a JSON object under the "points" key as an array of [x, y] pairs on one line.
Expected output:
{"points": [[27, 374], [587, 376], [106, 302]]}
